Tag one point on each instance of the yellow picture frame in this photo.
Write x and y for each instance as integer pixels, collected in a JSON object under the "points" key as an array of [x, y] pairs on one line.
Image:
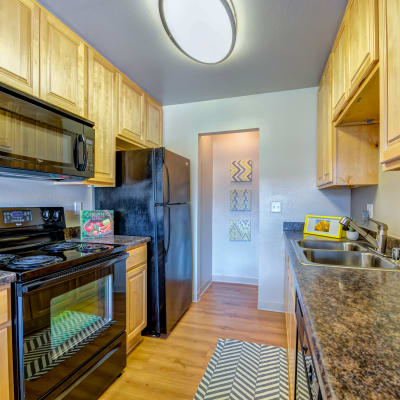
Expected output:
{"points": [[320, 225]]}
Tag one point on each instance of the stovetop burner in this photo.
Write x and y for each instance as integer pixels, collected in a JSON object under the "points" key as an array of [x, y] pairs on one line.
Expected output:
{"points": [[60, 247], [6, 258], [33, 261], [92, 247]]}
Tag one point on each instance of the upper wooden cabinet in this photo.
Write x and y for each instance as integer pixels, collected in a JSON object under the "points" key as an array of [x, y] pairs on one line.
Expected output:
{"points": [[62, 65], [19, 45], [363, 40], [131, 111], [324, 137], [389, 12], [102, 110], [340, 67], [153, 123]]}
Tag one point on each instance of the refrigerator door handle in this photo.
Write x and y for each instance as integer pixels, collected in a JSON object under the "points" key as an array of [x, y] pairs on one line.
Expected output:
{"points": [[168, 187], [166, 250]]}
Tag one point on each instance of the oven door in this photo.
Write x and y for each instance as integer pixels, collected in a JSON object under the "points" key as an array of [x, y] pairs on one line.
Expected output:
{"points": [[64, 321]]}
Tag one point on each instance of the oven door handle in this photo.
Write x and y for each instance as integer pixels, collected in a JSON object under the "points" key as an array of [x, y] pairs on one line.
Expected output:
{"points": [[79, 270]]}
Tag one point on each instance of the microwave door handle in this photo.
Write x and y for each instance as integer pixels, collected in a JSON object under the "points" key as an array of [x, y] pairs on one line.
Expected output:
{"points": [[80, 166]]}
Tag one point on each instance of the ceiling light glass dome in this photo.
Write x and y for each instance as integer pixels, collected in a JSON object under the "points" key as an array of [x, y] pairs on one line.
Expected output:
{"points": [[204, 30]]}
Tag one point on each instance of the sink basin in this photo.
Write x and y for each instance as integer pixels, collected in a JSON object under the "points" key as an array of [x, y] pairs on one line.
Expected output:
{"points": [[348, 259], [331, 245]]}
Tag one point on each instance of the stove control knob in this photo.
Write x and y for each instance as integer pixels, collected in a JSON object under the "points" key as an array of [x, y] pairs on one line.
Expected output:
{"points": [[46, 215], [56, 216]]}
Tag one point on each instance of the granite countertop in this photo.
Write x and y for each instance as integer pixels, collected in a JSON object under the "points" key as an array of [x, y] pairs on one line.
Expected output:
{"points": [[127, 241], [353, 318], [6, 277]]}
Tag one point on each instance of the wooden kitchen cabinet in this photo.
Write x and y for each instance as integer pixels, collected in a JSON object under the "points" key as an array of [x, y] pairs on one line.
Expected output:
{"points": [[389, 16], [153, 123], [102, 110], [363, 40], [291, 327], [6, 367], [131, 112], [63, 75], [324, 133], [136, 295], [340, 68], [19, 45]]}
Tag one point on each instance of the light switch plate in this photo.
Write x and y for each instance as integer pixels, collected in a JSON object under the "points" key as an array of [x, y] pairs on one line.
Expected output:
{"points": [[275, 206]]}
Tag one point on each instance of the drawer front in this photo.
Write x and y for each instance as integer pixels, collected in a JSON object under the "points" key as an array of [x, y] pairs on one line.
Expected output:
{"points": [[136, 257], [4, 305]]}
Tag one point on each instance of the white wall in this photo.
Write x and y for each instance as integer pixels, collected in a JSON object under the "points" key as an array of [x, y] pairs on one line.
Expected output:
{"points": [[26, 193], [385, 198], [287, 124], [234, 261]]}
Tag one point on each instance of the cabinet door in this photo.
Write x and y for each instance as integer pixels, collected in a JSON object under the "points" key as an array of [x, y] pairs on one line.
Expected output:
{"points": [[153, 123], [131, 111], [389, 12], [363, 40], [340, 65], [62, 65], [136, 281], [102, 109], [6, 365], [19, 45], [291, 329], [324, 138]]}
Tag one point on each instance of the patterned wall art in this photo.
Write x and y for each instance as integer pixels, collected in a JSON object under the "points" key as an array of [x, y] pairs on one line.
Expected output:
{"points": [[240, 230], [240, 200], [242, 171]]}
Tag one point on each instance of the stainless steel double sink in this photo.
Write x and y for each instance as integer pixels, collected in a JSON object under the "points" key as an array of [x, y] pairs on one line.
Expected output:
{"points": [[342, 254]]}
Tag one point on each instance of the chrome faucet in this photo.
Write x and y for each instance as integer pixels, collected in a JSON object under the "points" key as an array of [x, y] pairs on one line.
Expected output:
{"points": [[381, 238]]}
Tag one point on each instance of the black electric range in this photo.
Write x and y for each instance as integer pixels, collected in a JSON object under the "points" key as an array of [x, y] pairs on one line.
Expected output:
{"points": [[68, 307]]}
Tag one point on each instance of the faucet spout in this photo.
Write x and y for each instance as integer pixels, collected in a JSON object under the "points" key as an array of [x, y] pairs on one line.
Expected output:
{"points": [[380, 243]]}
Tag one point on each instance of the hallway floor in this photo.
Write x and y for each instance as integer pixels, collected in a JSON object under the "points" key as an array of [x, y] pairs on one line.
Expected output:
{"points": [[171, 369]]}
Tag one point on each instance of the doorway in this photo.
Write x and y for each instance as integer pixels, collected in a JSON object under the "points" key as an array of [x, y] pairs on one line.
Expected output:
{"points": [[228, 218]]}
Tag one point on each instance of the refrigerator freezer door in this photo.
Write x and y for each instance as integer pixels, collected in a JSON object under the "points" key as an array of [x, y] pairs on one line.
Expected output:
{"points": [[176, 177], [178, 262]]}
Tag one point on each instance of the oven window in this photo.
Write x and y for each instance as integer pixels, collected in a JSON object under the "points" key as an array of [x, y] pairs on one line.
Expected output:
{"points": [[66, 321]]}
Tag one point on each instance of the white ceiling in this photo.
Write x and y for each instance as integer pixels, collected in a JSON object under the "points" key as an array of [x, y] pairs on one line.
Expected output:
{"points": [[281, 45]]}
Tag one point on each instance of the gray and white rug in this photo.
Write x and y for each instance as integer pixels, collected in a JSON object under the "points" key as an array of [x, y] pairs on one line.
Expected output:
{"points": [[245, 371]]}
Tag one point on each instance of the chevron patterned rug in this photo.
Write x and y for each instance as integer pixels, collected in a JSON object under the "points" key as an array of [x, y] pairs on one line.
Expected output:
{"points": [[245, 371]]}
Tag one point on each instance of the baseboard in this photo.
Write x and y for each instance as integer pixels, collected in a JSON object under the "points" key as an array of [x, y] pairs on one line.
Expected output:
{"points": [[235, 279], [275, 307], [201, 292]]}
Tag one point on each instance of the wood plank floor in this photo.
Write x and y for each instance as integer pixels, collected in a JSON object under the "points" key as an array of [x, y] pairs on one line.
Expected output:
{"points": [[171, 368]]}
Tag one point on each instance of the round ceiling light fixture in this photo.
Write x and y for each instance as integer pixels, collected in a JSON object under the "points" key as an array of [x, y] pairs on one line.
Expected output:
{"points": [[204, 30]]}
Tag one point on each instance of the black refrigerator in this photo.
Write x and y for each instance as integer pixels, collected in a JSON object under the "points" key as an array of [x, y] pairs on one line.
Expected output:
{"points": [[152, 198]]}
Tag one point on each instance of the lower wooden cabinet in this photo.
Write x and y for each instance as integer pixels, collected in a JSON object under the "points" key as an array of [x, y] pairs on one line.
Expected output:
{"points": [[291, 327], [136, 295], [6, 374]]}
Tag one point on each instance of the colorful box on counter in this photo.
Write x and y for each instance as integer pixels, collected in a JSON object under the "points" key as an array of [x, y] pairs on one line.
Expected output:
{"points": [[97, 224]]}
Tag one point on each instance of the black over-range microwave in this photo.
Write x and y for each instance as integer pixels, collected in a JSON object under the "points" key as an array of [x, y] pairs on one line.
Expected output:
{"points": [[39, 140]]}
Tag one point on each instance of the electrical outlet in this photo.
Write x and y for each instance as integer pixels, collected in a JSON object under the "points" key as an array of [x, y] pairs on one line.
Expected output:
{"points": [[275, 206], [77, 207], [370, 209]]}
